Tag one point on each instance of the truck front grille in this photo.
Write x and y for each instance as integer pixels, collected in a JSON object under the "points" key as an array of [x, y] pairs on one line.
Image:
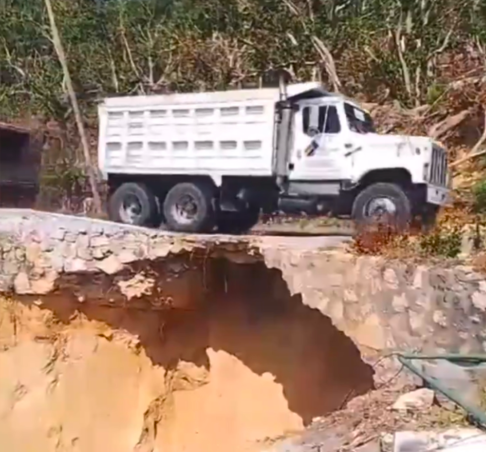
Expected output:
{"points": [[438, 167]]}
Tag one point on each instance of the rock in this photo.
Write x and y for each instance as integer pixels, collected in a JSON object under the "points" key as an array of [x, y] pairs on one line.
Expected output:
{"points": [[6, 283], [369, 333], [420, 277], [467, 246], [5, 244], [20, 253], [440, 318], [400, 303], [68, 250], [75, 265], [22, 284], [391, 278], [479, 300], [456, 440], [419, 400], [44, 285], [33, 252], [101, 252], [127, 256], [372, 446], [110, 265], [71, 236], [101, 241], [10, 267], [137, 286], [83, 250], [58, 234]]}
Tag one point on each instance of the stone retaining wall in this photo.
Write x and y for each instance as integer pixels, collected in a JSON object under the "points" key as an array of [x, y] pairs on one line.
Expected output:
{"points": [[381, 305]]}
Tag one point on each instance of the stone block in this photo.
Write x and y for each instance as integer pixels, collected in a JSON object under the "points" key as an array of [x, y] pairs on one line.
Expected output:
{"points": [[415, 401], [100, 241], [76, 265], [455, 440], [22, 284], [391, 279], [110, 265]]}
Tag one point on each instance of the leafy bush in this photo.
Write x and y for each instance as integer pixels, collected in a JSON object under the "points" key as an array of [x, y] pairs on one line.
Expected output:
{"points": [[441, 242], [479, 197], [444, 241], [126, 46]]}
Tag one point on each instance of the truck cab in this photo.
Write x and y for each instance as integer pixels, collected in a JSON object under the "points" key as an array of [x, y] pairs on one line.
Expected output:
{"points": [[336, 154]]}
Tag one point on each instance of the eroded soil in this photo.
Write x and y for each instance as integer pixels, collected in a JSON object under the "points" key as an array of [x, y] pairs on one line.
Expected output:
{"points": [[235, 362]]}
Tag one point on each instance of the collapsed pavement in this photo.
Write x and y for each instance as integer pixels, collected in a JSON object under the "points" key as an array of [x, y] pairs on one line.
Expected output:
{"points": [[205, 321]]}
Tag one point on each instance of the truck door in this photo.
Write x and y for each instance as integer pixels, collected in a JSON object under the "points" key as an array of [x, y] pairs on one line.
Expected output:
{"points": [[318, 144]]}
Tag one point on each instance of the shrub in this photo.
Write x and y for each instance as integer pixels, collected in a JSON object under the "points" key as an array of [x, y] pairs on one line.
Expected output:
{"points": [[441, 242], [479, 197]]}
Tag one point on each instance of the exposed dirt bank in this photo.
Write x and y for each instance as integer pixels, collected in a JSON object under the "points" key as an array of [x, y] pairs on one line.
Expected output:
{"points": [[235, 361], [126, 339]]}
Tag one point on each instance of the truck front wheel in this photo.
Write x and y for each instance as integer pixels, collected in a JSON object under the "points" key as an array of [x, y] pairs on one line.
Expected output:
{"points": [[135, 204], [382, 203], [188, 207]]}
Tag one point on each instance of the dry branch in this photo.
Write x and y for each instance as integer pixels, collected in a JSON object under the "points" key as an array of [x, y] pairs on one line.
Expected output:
{"points": [[92, 174], [405, 71], [475, 152], [328, 60], [447, 124]]}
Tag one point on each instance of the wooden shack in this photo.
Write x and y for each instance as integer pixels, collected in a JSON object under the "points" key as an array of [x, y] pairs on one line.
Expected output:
{"points": [[20, 163]]}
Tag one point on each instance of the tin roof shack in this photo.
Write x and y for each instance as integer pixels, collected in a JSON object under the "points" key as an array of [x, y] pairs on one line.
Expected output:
{"points": [[20, 162]]}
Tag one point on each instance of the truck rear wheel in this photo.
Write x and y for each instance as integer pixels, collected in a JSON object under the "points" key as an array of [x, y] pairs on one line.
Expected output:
{"points": [[382, 204], [238, 222], [135, 204], [188, 207]]}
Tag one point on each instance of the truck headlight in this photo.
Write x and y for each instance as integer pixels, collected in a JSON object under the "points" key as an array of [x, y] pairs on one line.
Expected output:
{"points": [[426, 171]]}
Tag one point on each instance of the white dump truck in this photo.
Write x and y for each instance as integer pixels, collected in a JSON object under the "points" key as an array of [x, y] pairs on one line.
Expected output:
{"points": [[215, 160]]}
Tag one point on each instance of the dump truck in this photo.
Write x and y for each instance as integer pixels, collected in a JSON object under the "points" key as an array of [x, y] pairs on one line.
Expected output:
{"points": [[208, 161]]}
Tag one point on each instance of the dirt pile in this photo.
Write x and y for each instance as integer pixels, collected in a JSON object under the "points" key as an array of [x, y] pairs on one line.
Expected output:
{"points": [[235, 361]]}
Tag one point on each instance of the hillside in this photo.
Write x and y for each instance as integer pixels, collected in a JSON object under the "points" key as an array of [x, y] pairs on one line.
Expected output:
{"points": [[419, 63]]}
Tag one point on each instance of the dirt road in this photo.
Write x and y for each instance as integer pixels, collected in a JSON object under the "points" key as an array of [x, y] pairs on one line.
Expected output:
{"points": [[13, 220]]}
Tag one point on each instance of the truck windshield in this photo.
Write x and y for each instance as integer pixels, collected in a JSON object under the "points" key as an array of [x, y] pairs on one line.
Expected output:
{"points": [[358, 120]]}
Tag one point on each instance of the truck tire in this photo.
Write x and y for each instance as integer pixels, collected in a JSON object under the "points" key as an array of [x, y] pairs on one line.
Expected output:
{"points": [[188, 207], [238, 222], [135, 204], [382, 203]]}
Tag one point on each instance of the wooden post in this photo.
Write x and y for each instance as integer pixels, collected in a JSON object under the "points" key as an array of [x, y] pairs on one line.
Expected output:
{"points": [[92, 173]]}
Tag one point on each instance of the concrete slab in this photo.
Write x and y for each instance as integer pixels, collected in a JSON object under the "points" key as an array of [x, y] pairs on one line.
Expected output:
{"points": [[455, 440]]}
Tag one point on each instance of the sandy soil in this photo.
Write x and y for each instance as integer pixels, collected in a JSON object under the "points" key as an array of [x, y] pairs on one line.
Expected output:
{"points": [[245, 363]]}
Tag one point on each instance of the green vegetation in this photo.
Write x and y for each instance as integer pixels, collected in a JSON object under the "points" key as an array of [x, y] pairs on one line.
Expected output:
{"points": [[479, 194], [367, 47], [412, 51], [441, 242]]}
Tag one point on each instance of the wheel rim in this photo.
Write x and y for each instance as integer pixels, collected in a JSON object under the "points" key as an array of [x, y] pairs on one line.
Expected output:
{"points": [[131, 210], [380, 209], [185, 210]]}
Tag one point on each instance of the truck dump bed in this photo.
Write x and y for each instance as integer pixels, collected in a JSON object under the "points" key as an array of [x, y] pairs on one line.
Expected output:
{"points": [[228, 132]]}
